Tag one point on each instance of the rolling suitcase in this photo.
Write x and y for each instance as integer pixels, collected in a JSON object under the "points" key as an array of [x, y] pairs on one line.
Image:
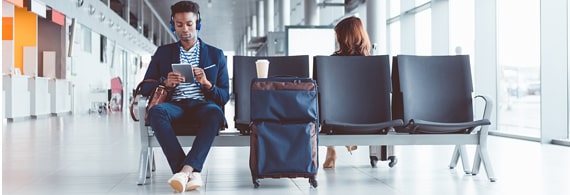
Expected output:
{"points": [[284, 137], [245, 71]]}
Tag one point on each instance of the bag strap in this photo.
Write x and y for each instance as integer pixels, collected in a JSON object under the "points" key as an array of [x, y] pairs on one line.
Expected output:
{"points": [[135, 101]]}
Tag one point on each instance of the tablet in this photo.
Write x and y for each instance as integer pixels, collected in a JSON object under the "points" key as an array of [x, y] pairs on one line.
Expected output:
{"points": [[185, 70]]}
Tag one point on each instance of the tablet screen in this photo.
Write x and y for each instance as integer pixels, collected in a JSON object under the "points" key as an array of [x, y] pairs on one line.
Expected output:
{"points": [[185, 70]]}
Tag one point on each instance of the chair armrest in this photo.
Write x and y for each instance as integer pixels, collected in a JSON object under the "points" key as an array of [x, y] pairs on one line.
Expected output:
{"points": [[143, 100], [488, 109], [488, 106], [145, 129], [421, 126], [334, 127]]}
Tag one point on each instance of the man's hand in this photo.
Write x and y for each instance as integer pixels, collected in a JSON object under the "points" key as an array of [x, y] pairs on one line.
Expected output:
{"points": [[201, 77], [173, 79]]}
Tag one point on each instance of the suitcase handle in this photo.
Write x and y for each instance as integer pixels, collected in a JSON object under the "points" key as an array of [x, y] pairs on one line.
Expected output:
{"points": [[283, 76]]}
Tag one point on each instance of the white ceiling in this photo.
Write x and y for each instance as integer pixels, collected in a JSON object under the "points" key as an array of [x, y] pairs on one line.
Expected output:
{"points": [[223, 23]]}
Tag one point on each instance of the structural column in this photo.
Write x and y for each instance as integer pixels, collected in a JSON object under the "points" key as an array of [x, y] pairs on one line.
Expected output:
{"points": [[269, 16], [486, 52], [249, 33], [260, 17], [253, 26], [553, 70], [376, 25], [151, 30], [440, 27], [407, 28], [311, 13], [141, 16], [244, 43], [285, 14], [159, 39]]}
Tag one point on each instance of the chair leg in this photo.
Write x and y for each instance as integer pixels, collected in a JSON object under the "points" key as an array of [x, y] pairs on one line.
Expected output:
{"points": [[482, 156], [464, 159], [153, 163], [454, 157], [150, 163], [477, 161], [143, 165]]}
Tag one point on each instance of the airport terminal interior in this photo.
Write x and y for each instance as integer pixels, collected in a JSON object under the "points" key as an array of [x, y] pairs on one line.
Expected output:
{"points": [[70, 68]]}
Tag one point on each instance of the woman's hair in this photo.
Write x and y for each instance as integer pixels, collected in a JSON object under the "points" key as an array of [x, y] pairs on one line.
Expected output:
{"points": [[352, 38]]}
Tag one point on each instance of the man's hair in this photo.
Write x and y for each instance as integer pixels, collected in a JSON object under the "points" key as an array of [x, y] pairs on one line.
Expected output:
{"points": [[185, 6], [352, 38]]}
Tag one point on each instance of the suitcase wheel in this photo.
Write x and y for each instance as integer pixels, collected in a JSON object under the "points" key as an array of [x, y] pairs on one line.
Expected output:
{"points": [[255, 182], [373, 161], [313, 181], [393, 161]]}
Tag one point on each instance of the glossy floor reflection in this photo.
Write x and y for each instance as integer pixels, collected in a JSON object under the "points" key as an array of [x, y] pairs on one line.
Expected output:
{"points": [[98, 154]]}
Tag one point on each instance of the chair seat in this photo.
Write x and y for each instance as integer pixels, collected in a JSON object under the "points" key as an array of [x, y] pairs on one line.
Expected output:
{"points": [[422, 126], [334, 127], [188, 127], [185, 128]]}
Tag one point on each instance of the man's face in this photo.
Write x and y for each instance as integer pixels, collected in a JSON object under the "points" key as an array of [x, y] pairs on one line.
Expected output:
{"points": [[185, 26]]}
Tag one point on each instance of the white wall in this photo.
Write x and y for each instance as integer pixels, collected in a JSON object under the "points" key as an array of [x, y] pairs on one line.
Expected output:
{"points": [[91, 78]]}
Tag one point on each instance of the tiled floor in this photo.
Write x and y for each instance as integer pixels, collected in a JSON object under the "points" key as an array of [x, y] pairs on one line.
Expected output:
{"points": [[95, 154]]}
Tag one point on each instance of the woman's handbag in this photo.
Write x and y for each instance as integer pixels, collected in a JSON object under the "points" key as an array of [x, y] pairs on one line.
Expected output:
{"points": [[159, 95]]}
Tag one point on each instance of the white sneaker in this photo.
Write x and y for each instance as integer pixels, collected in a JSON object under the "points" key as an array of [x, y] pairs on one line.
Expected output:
{"points": [[178, 181], [194, 182]]}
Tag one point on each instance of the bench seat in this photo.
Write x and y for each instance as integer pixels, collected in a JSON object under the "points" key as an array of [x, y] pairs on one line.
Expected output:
{"points": [[228, 138]]}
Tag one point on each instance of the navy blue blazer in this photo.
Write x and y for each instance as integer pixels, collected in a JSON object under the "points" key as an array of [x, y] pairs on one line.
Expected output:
{"points": [[166, 55]]}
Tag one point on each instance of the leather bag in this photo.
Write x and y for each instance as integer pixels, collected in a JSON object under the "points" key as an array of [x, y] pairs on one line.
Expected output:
{"points": [[159, 95]]}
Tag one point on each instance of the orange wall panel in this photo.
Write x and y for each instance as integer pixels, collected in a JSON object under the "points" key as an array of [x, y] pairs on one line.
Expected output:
{"points": [[25, 34], [7, 28]]}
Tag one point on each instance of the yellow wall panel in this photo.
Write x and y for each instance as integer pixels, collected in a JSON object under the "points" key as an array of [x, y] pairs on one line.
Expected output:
{"points": [[25, 34]]}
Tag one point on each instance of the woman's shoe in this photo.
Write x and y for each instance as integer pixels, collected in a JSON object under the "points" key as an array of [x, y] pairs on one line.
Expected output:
{"points": [[329, 163], [351, 148], [330, 159]]}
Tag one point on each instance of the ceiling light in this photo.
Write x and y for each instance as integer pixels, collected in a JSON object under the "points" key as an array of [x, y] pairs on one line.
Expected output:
{"points": [[91, 10], [209, 3]]}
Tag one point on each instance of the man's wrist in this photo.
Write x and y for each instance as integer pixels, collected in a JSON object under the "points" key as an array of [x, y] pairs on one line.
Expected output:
{"points": [[165, 83], [208, 85], [162, 81]]}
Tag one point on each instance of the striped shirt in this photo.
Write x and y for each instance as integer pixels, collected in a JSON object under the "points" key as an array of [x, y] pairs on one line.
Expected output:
{"points": [[190, 89]]}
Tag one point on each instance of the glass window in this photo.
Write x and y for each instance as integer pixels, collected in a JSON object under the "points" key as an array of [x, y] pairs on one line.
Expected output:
{"points": [[394, 46], [86, 39], [421, 2], [394, 8], [518, 93], [423, 32], [462, 29]]}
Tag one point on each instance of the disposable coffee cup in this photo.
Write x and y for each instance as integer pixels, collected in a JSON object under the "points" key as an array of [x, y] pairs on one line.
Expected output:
{"points": [[262, 67]]}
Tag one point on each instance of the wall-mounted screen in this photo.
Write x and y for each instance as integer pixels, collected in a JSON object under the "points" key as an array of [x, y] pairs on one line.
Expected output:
{"points": [[310, 40]]}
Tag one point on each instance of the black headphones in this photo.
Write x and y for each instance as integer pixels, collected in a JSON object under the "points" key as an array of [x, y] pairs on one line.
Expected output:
{"points": [[198, 23]]}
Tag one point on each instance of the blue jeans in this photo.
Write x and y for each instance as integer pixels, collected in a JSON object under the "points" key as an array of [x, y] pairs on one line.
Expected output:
{"points": [[210, 118]]}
